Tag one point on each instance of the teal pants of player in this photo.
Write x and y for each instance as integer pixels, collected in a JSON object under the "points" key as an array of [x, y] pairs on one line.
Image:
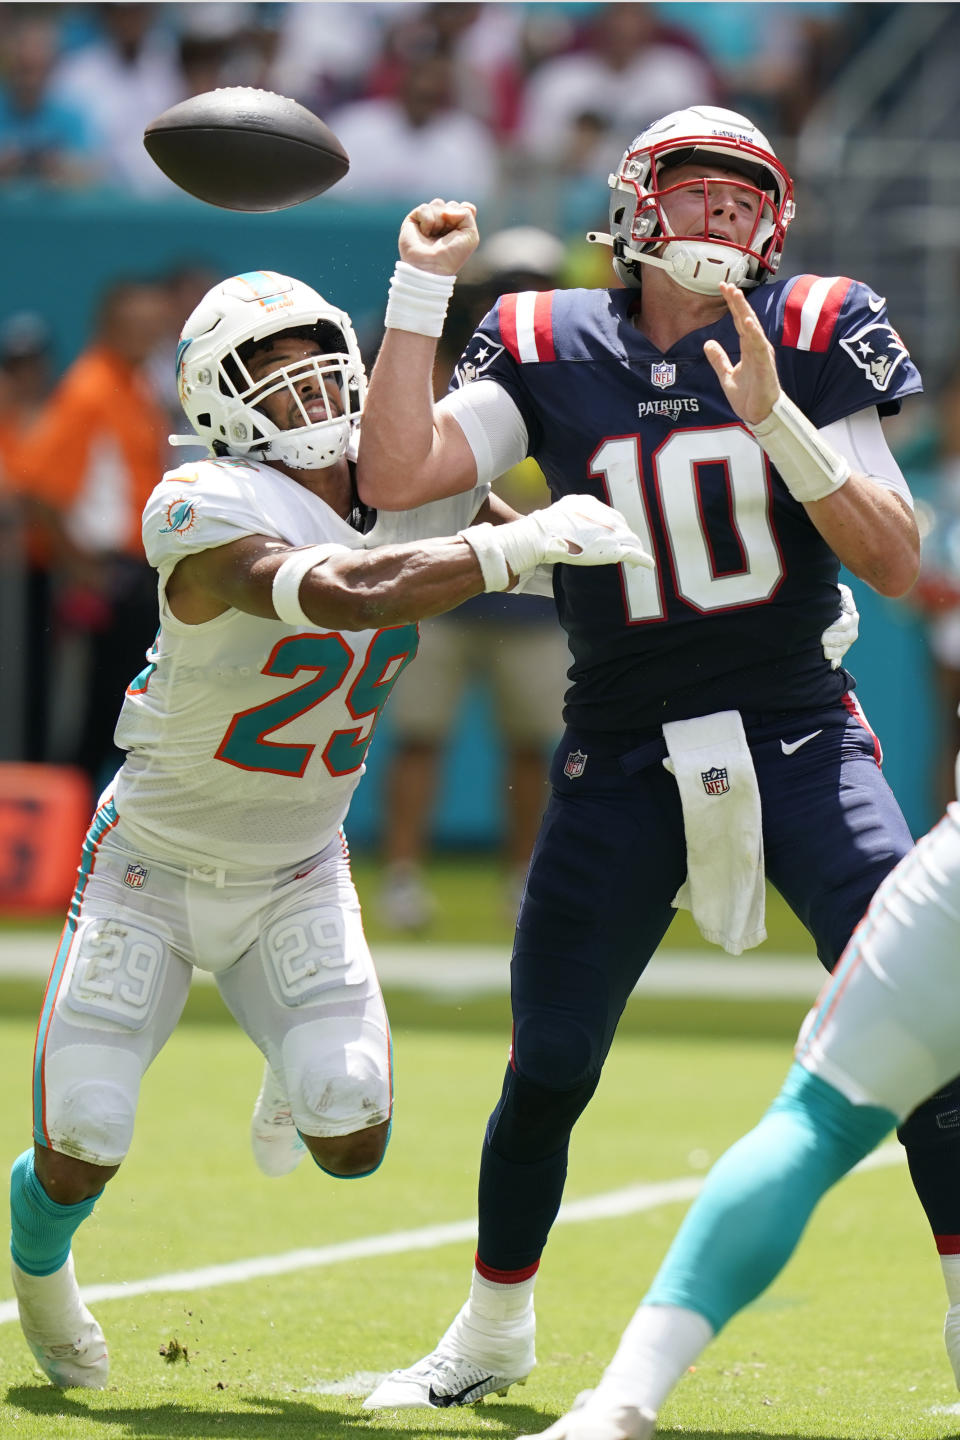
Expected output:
{"points": [[756, 1201]]}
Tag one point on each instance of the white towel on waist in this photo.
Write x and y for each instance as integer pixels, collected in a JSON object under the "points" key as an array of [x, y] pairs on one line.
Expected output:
{"points": [[724, 888]]}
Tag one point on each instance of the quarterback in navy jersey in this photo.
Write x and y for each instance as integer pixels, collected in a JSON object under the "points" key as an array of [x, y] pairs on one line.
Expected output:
{"points": [[746, 585], [735, 420]]}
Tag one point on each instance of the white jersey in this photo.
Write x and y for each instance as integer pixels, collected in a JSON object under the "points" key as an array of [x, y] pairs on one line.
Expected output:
{"points": [[246, 737]]}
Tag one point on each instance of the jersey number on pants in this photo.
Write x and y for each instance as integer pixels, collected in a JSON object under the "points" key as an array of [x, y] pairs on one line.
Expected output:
{"points": [[245, 745], [675, 470]]}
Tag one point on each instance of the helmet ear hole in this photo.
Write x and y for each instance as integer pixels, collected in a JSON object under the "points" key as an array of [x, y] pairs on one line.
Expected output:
{"points": [[618, 215], [204, 420]]}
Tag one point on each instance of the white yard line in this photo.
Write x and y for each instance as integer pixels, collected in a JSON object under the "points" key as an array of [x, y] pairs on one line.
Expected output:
{"points": [[631, 1200], [464, 970]]}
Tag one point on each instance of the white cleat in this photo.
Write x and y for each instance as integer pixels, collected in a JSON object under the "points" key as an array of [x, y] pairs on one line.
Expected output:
{"points": [[600, 1415], [276, 1142], [450, 1377], [66, 1341], [951, 1338]]}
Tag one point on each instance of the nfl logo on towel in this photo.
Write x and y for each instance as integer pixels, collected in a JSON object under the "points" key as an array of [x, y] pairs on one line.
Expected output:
{"points": [[135, 876], [575, 763], [663, 374], [715, 781]]}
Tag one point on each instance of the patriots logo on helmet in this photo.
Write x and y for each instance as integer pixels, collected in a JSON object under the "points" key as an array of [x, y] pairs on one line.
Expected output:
{"points": [[478, 356], [877, 350]]}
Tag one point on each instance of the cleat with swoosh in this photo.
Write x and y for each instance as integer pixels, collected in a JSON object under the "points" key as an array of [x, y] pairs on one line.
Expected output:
{"points": [[450, 1377]]}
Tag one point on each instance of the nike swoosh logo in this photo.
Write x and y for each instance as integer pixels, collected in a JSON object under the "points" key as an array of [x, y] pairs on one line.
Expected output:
{"points": [[876, 305], [788, 747], [460, 1397]]}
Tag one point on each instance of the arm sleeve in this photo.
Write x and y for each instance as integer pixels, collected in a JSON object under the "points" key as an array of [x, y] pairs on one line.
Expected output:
{"points": [[493, 425], [860, 438]]}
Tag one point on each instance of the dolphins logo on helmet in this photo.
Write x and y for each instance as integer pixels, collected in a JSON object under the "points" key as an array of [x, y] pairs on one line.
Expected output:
{"points": [[640, 231]]}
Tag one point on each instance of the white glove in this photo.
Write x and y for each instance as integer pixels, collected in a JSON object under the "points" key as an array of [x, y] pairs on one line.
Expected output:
{"points": [[538, 581], [838, 637], [577, 530]]}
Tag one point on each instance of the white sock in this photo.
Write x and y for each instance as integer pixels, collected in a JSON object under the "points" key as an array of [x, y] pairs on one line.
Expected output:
{"points": [[657, 1348], [505, 1303], [950, 1265]]}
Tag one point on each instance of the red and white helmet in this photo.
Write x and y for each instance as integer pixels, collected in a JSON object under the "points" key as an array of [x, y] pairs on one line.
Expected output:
{"points": [[220, 397], [702, 134]]}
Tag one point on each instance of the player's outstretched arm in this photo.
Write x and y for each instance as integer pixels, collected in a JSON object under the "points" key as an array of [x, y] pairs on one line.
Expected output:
{"points": [[869, 528], [408, 455], [356, 589]]}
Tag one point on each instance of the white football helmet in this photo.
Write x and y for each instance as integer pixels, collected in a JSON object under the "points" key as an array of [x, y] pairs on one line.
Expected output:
{"points": [[222, 401], [702, 134]]}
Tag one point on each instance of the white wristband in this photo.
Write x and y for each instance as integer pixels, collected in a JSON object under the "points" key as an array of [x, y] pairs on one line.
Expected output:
{"points": [[418, 300], [811, 469], [485, 544], [289, 578]]}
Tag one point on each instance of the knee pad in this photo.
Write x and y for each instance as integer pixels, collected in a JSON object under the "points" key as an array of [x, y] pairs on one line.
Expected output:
{"points": [[531, 1121], [936, 1122], [90, 1101], [337, 1074]]}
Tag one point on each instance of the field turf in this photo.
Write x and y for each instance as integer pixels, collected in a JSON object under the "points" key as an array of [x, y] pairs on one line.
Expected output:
{"points": [[846, 1344]]}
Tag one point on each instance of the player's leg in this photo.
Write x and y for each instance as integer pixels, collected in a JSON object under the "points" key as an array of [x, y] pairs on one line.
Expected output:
{"points": [[608, 860], [307, 994], [826, 865], [114, 995], [883, 1033]]}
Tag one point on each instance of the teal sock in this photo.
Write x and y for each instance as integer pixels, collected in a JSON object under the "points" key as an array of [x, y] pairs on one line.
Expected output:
{"points": [[40, 1228], [746, 1222]]}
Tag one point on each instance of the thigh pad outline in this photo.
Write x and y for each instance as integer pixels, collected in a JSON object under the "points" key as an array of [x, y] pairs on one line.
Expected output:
{"points": [[116, 972], [307, 954]]}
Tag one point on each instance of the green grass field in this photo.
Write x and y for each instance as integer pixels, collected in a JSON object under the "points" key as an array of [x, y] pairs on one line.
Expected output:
{"points": [[846, 1344]]}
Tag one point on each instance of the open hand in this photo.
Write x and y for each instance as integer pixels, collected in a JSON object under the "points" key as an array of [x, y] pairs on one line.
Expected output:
{"points": [[751, 386]]}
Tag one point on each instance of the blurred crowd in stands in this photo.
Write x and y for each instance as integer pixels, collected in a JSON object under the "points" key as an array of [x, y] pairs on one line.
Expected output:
{"points": [[422, 95], [453, 99]]}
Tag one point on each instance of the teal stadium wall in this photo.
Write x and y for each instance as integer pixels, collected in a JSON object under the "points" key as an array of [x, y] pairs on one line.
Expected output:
{"points": [[61, 251]]}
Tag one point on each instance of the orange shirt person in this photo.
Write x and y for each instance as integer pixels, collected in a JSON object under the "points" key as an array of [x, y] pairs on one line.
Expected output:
{"points": [[88, 465]]}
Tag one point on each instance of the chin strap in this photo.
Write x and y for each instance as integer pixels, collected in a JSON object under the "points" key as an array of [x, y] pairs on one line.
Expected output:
{"points": [[624, 252]]}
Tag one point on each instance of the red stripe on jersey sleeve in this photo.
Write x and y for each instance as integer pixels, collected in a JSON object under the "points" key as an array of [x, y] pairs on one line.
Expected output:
{"points": [[543, 325], [829, 312], [793, 308], [508, 324]]}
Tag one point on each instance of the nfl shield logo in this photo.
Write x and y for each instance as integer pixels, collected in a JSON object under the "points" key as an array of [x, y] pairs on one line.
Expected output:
{"points": [[663, 374], [575, 763], [715, 781], [135, 876]]}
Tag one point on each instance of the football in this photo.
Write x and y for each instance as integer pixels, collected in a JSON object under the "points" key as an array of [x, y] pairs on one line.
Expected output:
{"points": [[246, 149]]}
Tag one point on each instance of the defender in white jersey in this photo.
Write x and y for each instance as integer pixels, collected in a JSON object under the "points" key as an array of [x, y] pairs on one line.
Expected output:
{"points": [[287, 611]]}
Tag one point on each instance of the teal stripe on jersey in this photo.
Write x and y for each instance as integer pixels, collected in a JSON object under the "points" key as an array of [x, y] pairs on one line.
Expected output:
{"points": [[104, 820]]}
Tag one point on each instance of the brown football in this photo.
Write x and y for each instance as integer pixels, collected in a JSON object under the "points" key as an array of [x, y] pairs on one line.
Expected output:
{"points": [[246, 149]]}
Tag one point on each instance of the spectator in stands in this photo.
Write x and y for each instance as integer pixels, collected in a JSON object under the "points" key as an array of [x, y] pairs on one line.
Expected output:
{"points": [[44, 136], [419, 142], [89, 462], [123, 80], [26, 376], [514, 648], [628, 73]]}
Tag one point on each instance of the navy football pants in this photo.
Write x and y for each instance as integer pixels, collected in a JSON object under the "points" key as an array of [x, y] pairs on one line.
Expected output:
{"points": [[608, 861]]}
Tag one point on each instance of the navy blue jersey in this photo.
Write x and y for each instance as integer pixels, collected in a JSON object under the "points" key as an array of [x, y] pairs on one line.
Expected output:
{"points": [[744, 585]]}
